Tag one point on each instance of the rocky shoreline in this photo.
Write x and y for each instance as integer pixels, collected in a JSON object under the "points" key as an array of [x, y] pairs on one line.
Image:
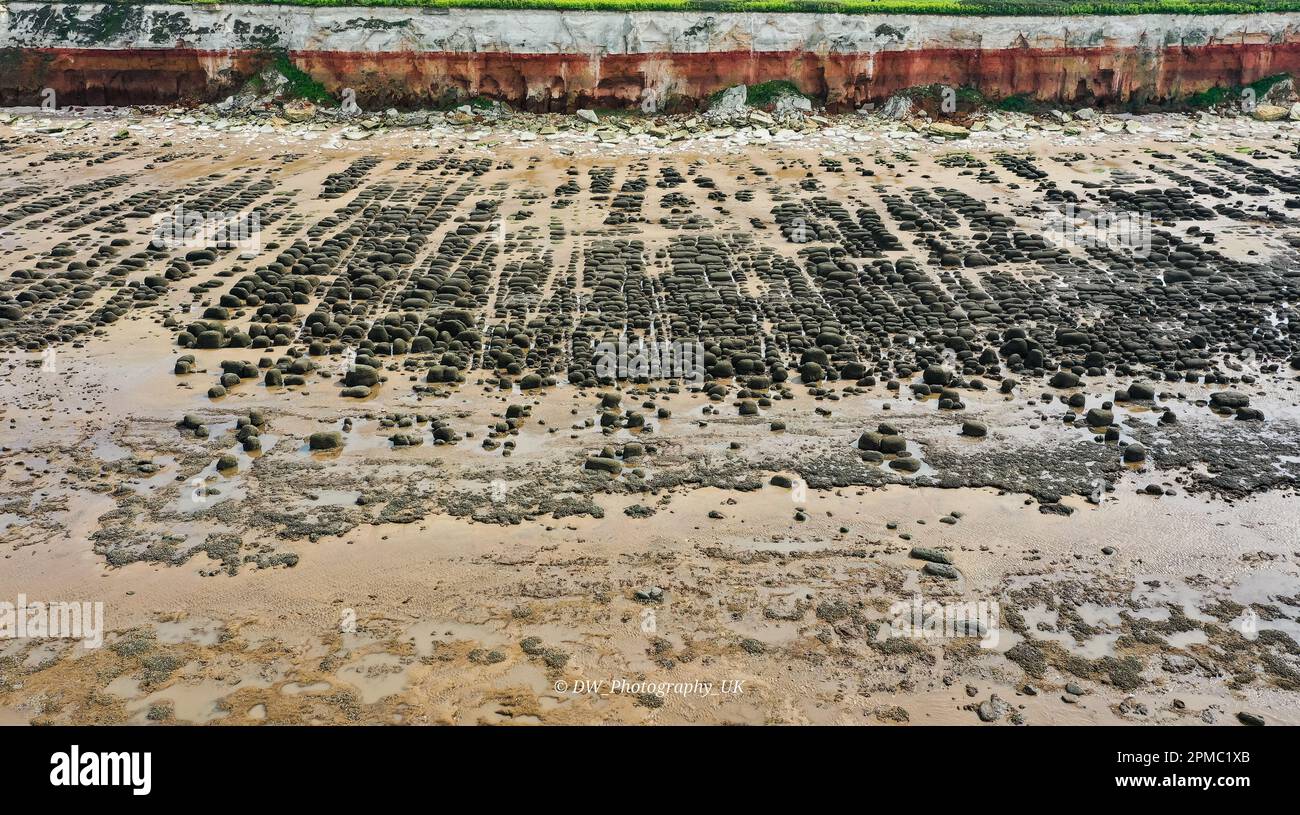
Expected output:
{"points": [[921, 373]]}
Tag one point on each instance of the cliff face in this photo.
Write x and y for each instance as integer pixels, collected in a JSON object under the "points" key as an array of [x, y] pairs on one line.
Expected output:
{"points": [[106, 54]]}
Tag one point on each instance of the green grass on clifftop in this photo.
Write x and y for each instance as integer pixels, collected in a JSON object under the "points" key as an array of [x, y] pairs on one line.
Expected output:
{"points": [[955, 7]]}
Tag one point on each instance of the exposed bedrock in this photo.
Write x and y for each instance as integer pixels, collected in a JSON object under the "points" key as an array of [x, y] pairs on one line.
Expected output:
{"points": [[96, 54]]}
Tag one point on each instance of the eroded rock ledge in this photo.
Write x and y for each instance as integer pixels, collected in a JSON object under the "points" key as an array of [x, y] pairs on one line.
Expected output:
{"points": [[549, 60]]}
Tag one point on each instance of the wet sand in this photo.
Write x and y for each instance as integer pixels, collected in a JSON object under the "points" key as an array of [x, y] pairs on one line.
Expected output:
{"points": [[450, 583]]}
